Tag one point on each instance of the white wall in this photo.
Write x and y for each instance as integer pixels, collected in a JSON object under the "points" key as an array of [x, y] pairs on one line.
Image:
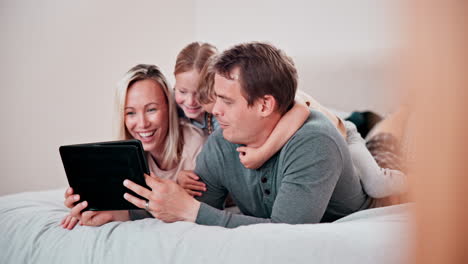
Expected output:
{"points": [[60, 61], [341, 48]]}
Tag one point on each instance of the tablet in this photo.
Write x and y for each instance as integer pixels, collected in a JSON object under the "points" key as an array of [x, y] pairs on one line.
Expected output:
{"points": [[96, 172]]}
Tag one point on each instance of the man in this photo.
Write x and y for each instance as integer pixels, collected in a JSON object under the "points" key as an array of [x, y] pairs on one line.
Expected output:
{"points": [[310, 180]]}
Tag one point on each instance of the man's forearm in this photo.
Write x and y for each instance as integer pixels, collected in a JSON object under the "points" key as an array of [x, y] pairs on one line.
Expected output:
{"points": [[208, 215]]}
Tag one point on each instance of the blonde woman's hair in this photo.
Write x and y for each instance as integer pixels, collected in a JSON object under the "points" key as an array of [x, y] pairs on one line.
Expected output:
{"points": [[174, 140]]}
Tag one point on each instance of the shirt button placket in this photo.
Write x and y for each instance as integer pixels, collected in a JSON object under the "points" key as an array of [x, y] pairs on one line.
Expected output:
{"points": [[264, 180]]}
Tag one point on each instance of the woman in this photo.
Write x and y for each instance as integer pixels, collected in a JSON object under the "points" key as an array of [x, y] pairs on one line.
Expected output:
{"points": [[146, 111]]}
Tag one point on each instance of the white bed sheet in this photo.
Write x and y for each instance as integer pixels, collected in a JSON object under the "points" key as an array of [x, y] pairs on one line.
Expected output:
{"points": [[30, 233]]}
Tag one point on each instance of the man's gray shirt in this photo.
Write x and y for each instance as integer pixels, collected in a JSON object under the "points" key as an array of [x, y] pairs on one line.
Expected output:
{"points": [[310, 180]]}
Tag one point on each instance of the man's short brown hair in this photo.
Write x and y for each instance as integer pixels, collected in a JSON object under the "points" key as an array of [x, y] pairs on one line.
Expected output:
{"points": [[264, 70]]}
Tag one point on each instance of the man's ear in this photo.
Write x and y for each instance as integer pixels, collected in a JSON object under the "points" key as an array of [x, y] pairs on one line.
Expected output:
{"points": [[267, 105]]}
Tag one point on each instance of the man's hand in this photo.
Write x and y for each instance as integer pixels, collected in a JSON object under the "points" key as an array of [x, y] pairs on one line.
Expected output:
{"points": [[190, 182], [167, 201]]}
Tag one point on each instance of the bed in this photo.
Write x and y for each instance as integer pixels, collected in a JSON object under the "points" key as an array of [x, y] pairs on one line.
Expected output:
{"points": [[30, 233]]}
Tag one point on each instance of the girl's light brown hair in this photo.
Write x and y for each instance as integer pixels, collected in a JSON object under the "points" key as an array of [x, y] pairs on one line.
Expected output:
{"points": [[205, 88], [194, 56]]}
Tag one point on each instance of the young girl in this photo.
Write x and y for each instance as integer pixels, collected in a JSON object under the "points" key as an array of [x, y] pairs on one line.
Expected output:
{"points": [[377, 182], [189, 65]]}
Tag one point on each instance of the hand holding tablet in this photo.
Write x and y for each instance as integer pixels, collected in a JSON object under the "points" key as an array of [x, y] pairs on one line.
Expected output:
{"points": [[96, 172]]}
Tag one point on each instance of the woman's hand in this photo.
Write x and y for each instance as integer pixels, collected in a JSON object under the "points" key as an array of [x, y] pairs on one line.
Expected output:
{"points": [[87, 218], [252, 158], [167, 200], [190, 182], [69, 222]]}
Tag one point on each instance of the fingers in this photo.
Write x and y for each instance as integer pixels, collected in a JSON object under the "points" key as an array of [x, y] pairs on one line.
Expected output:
{"points": [[72, 223], [93, 218], [241, 150], [152, 180], [68, 192], [76, 210], [71, 200], [194, 187], [149, 181], [69, 222], [192, 175], [241, 156], [242, 159], [65, 221], [89, 218], [193, 193], [193, 182], [189, 178], [137, 202], [138, 189]]}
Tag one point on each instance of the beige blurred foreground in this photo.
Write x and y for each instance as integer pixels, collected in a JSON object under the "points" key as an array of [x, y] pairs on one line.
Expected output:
{"points": [[434, 65]]}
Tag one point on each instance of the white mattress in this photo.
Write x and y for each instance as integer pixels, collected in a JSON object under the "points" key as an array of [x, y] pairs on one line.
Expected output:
{"points": [[30, 233]]}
